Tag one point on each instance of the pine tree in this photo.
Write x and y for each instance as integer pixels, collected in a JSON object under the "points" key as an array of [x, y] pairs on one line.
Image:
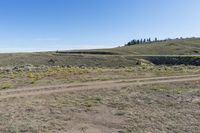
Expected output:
{"points": [[141, 41], [156, 39], [138, 41], [149, 39], [144, 41]]}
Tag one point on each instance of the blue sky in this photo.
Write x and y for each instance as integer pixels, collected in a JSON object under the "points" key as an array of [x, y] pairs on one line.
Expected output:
{"points": [[39, 25]]}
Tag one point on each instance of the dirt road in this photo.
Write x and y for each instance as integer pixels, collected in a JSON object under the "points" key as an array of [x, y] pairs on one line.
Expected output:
{"points": [[24, 92]]}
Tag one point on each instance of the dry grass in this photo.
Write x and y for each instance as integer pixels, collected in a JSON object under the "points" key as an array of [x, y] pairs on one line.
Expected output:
{"points": [[5, 86], [62, 75], [146, 108]]}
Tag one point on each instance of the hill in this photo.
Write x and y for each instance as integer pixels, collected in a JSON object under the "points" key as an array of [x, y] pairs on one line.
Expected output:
{"points": [[188, 46], [171, 47], [168, 52]]}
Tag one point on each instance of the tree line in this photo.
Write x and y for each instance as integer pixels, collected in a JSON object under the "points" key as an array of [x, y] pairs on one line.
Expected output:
{"points": [[149, 40], [142, 41]]}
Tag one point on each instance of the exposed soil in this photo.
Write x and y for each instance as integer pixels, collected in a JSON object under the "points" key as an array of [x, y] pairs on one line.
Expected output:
{"points": [[153, 105]]}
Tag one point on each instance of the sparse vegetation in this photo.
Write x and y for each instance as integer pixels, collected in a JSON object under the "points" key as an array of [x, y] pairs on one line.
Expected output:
{"points": [[5, 86], [61, 75], [112, 58], [138, 108], [127, 109]]}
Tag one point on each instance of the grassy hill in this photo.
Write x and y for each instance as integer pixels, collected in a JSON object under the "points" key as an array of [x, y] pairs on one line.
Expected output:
{"points": [[54, 59], [115, 57], [171, 47], [174, 47]]}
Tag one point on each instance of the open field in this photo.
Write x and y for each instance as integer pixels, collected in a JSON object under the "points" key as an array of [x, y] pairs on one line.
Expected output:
{"points": [[132, 89], [148, 106], [99, 66], [41, 76], [145, 98], [115, 57]]}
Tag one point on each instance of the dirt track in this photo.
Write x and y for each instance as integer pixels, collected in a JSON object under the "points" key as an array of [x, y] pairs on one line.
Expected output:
{"points": [[23, 92], [158, 104]]}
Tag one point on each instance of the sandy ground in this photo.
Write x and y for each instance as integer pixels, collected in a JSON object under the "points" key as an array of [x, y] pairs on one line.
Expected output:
{"points": [[159, 104]]}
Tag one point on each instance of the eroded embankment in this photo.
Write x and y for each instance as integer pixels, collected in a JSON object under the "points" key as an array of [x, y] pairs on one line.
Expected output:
{"points": [[166, 60]]}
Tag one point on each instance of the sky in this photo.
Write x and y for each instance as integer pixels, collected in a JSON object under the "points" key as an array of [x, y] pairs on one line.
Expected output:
{"points": [[42, 25]]}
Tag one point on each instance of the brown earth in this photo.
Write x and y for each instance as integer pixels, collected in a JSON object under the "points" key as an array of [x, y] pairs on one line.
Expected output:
{"points": [[158, 104]]}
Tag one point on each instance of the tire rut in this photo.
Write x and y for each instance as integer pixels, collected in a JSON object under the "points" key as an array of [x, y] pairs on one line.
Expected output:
{"points": [[24, 92]]}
